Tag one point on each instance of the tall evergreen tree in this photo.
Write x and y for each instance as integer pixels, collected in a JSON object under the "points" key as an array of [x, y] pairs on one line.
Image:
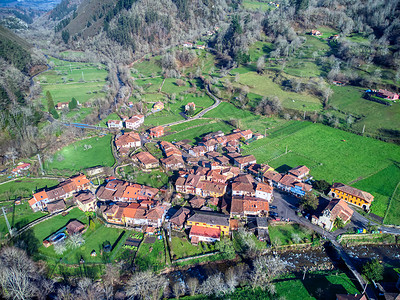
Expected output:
{"points": [[50, 101]]}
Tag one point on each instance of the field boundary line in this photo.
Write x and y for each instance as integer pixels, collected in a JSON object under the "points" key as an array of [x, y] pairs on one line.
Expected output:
{"points": [[372, 174], [390, 202]]}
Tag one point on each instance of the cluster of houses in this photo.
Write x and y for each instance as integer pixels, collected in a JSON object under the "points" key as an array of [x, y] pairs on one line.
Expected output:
{"points": [[130, 204], [20, 168], [384, 94], [132, 123], [53, 199]]}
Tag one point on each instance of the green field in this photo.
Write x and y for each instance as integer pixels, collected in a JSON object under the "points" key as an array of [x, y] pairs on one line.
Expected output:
{"points": [[375, 116], [74, 157], [257, 5], [83, 81], [20, 216], [393, 213], [194, 134], [151, 256], [264, 86], [283, 234], [151, 85], [336, 156], [181, 248], [247, 120], [155, 178], [94, 238], [24, 187], [148, 67], [172, 109]]}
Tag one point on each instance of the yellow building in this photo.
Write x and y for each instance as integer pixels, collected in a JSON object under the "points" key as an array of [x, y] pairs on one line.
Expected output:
{"points": [[351, 195], [210, 220]]}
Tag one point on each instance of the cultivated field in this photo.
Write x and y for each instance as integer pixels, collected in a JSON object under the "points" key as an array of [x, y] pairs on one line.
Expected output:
{"points": [[333, 155]]}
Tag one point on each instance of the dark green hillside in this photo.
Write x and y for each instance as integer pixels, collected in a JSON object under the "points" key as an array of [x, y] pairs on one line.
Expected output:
{"points": [[14, 50]]}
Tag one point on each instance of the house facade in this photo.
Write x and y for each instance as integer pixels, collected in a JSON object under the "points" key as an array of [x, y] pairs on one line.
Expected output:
{"points": [[208, 226], [156, 132], [336, 208], [351, 195], [115, 124], [134, 122]]}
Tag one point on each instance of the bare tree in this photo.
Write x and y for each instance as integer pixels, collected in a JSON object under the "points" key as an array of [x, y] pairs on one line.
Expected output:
{"points": [[75, 241], [261, 64], [193, 285], [146, 285], [12, 154], [179, 289], [214, 285], [266, 268], [65, 293], [88, 290]]}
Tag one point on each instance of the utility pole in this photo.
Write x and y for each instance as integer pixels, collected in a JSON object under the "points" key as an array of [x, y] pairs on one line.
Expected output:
{"points": [[83, 78], [8, 224], [265, 132], [286, 150], [40, 163], [363, 129], [304, 116]]}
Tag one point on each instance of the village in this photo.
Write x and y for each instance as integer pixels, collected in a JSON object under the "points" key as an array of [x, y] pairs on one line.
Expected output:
{"points": [[214, 190]]}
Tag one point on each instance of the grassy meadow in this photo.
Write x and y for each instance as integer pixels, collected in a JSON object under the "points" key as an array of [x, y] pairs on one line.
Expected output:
{"points": [[74, 157], [333, 155], [65, 80], [24, 187]]}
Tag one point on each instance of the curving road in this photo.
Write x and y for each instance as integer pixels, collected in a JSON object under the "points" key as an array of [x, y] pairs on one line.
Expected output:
{"points": [[202, 113]]}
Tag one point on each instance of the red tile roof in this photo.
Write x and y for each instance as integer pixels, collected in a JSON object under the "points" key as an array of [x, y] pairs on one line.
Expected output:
{"points": [[353, 191], [205, 232]]}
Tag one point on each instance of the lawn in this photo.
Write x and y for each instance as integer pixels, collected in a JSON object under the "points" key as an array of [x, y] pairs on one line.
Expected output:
{"points": [[172, 110], [78, 115], [94, 239], [74, 157], [24, 187], [180, 247], [283, 234], [155, 178], [151, 256], [335, 155], [20, 216], [195, 133], [188, 124], [264, 86]]}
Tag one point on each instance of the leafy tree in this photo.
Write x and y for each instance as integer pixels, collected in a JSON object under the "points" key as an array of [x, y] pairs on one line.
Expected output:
{"points": [[73, 104], [321, 185], [373, 270], [190, 112], [309, 201], [338, 223]]}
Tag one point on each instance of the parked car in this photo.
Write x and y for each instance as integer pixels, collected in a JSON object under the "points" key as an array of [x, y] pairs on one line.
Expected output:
{"points": [[273, 214], [272, 207]]}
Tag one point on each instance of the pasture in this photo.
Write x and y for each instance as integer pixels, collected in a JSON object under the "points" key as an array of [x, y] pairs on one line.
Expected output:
{"points": [[65, 80], [378, 118], [264, 86], [333, 155], [83, 154]]}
